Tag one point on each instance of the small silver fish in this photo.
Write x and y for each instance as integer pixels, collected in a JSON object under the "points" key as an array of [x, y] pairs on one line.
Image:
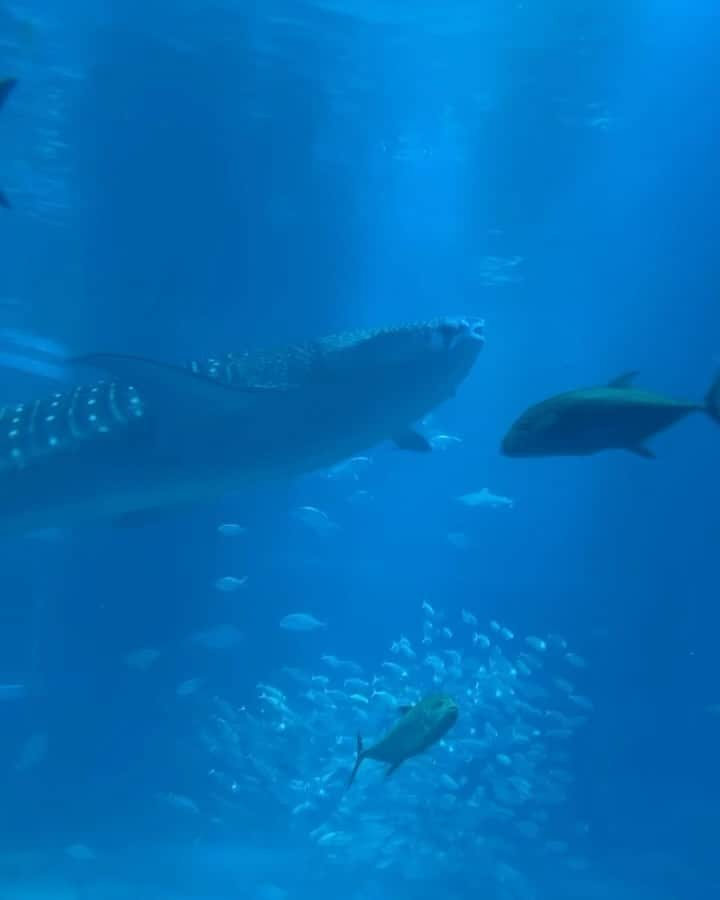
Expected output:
{"points": [[80, 852], [395, 669], [350, 469], [228, 584], [577, 661], [33, 752], [342, 664], [445, 441], [190, 686], [484, 498], [220, 637], [142, 659], [316, 520], [231, 529], [301, 622], [536, 643], [180, 801]]}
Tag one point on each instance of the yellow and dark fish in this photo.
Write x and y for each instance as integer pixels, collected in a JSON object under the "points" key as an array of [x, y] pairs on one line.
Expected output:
{"points": [[615, 416], [6, 86], [156, 435], [419, 727]]}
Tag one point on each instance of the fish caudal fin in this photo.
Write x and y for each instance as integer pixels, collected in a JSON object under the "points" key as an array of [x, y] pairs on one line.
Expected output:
{"points": [[360, 757], [712, 400], [6, 85]]}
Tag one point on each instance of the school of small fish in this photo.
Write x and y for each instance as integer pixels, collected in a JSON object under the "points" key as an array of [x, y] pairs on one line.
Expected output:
{"points": [[493, 788]]}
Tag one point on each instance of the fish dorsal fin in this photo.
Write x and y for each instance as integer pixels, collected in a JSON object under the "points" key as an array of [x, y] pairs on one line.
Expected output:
{"points": [[405, 708], [167, 383], [623, 381]]}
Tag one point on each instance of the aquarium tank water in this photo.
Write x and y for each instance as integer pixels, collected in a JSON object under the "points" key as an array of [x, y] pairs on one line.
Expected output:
{"points": [[359, 406]]}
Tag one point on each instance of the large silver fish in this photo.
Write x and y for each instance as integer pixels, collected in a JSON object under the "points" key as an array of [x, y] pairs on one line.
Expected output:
{"points": [[615, 416], [419, 727], [157, 435]]}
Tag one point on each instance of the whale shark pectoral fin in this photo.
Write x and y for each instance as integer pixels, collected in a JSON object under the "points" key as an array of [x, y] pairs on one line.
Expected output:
{"points": [[167, 383], [393, 768], [412, 440]]}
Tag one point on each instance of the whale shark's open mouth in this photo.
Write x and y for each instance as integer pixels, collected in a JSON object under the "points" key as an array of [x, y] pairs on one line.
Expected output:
{"points": [[455, 331]]}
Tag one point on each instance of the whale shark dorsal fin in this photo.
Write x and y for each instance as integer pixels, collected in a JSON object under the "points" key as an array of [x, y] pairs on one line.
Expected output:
{"points": [[623, 381], [165, 382]]}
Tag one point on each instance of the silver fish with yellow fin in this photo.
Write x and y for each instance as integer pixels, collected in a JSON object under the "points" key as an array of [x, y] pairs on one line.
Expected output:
{"points": [[615, 416], [419, 727]]}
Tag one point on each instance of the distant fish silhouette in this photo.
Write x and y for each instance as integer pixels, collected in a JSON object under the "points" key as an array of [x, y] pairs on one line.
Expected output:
{"points": [[6, 86]]}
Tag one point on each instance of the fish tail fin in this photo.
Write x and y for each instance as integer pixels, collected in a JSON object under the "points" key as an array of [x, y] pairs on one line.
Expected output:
{"points": [[358, 760], [6, 85], [712, 400]]}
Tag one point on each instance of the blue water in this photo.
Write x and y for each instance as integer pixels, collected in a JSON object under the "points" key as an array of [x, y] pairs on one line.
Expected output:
{"points": [[191, 179]]}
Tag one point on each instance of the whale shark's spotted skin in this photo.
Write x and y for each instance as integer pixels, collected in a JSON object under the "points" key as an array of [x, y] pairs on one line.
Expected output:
{"points": [[67, 423], [155, 435]]}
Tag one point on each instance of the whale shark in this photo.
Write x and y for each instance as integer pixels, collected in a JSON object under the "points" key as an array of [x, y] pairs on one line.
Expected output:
{"points": [[151, 435]]}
